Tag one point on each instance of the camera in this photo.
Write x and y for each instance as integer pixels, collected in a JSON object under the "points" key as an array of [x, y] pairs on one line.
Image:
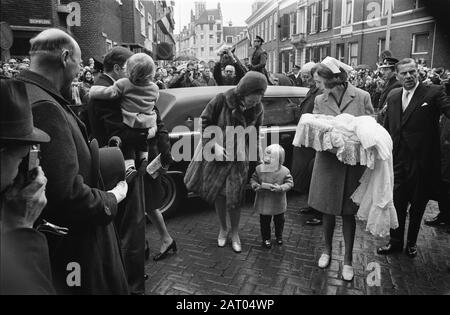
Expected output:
{"points": [[30, 163]]}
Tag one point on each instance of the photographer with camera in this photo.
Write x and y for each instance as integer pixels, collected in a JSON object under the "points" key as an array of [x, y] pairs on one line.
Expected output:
{"points": [[185, 78], [233, 69], [25, 263], [75, 192]]}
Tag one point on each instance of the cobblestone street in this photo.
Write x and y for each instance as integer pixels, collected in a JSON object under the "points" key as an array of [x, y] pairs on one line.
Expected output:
{"points": [[200, 267]]}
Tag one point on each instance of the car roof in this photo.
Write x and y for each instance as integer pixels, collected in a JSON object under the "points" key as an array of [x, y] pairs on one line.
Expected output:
{"points": [[169, 97]]}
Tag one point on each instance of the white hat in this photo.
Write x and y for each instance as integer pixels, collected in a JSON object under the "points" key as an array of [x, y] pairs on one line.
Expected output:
{"points": [[334, 65], [307, 67]]}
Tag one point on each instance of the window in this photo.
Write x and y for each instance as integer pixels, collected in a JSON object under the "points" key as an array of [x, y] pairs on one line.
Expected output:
{"points": [[211, 50], [285, 25], [324, 52], [301, 21], [314, 18], [294, 23], [381, 46], [420, 43], [211, 27], [211, 36], [219, 27], [419, 4], [340, 52], [202, 36], [219, 38], [270, 28], [326, 15], [202, 49], [229, 40], [275, 26], [347, 12], [353, 54], [150, 27], [140, 8]]}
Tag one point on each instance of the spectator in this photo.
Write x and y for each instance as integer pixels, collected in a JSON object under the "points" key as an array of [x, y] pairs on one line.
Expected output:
{"points": [[233, 70], [259, 58], [412, 119], [185, 78], [207, 76], [296, 77], [74, 200], [303, 157], [25, 262]]}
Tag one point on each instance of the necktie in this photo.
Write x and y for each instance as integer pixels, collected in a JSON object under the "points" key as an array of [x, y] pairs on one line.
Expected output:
{"points": [[405, 100]]}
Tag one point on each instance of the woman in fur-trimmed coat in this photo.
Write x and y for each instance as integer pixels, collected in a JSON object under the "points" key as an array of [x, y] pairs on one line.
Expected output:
{"points": [[222, 181]]}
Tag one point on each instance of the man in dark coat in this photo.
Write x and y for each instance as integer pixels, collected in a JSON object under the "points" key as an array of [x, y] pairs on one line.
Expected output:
{"points": [[296, 77], [444, 194], [390, 79], [412, 119], [87, 260], [303, 158], [107, 118], [233, 69], [24, 258], [259, 59]]}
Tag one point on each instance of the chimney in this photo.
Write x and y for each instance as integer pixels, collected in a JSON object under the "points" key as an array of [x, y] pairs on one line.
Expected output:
{"points": [[230, 23]]}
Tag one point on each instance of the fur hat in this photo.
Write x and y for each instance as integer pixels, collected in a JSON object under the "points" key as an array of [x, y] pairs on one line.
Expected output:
{"points": [[252, 83]]}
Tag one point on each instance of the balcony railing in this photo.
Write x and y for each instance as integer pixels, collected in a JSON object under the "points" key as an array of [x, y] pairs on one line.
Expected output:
{"points": [[298, 40]]}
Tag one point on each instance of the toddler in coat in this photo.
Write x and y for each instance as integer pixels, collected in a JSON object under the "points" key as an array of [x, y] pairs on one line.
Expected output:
{"points": [[271, 180]]}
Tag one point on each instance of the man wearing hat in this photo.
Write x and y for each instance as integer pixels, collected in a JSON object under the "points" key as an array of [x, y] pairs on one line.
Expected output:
{"points": [[295, 76], [387, 69], [302, 157], [76, 198], [259, 58], [25, 262]]}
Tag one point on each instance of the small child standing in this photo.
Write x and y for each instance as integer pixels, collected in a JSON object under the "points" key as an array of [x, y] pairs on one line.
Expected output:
{"points": [[271, 180], [138, 96]]}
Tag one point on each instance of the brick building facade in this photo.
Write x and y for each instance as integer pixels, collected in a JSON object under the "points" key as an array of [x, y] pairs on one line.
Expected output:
{"points": [[103, 24], [354, 31]]}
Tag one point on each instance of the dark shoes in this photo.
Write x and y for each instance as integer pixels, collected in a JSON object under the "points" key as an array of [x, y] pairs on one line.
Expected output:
{"points": [[436, 221], [314, 221], [162, 255], [145, 277], [306, 210], [267, 244], [279, 241], [389, 249], [411, 251]]}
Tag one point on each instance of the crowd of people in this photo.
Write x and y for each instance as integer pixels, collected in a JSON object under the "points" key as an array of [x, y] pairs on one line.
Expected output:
{"points": [[65, 210]]}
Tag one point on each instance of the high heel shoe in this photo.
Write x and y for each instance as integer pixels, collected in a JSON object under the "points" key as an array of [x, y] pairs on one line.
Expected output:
{"points": [[162, 255]]}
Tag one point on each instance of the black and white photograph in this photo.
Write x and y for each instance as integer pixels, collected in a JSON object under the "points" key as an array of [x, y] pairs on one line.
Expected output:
{"points": [[229, 155]]}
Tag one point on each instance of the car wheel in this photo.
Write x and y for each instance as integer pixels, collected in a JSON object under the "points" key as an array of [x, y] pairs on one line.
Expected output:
{"points": [[174, 193]]}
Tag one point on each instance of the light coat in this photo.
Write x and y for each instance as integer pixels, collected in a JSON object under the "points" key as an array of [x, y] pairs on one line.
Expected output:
{"points": [[333, 182], [272, 202]]}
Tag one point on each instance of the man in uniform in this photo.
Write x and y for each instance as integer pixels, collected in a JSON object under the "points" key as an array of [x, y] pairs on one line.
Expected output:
{"points": [[259, 58]]}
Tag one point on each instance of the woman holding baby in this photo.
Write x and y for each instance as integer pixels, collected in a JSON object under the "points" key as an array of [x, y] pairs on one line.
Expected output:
{"points": [[333, 182]]}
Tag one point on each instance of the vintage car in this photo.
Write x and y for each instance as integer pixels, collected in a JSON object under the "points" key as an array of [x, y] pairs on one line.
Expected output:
{"points": [[179, 108]]}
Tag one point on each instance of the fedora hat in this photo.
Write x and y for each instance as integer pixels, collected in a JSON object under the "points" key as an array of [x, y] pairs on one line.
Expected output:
{"points": [[108, 165], [16, 119]]}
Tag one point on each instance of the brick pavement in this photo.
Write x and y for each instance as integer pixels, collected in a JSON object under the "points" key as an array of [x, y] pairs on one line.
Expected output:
{"points": [[202, 268]]}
